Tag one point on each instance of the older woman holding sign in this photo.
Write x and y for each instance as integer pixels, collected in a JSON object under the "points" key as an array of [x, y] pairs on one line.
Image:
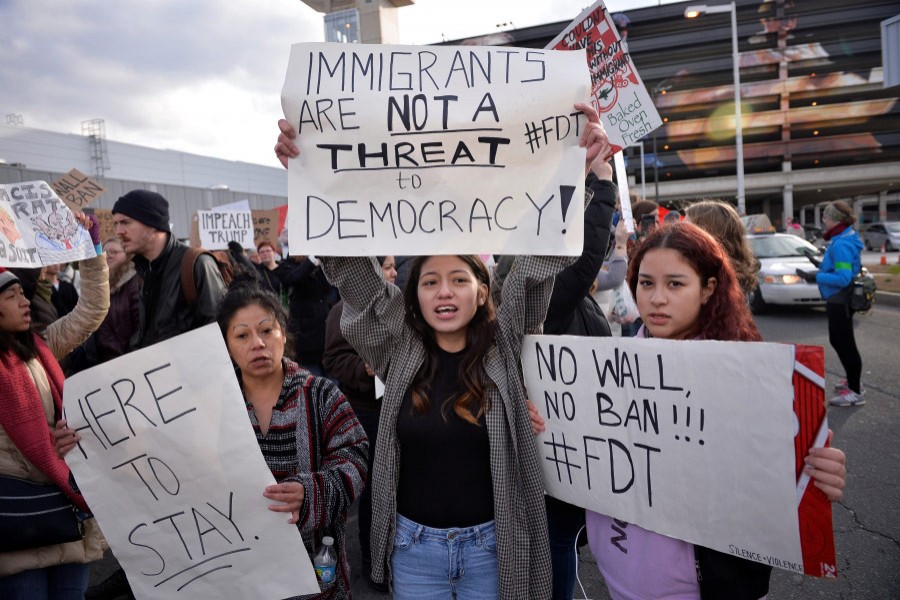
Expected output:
{"points": [[43, 556], [457, 497], [308, 434]]}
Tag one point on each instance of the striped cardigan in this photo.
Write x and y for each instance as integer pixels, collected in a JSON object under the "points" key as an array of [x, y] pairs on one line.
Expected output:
{"points": [[315, 439], [374, 322]]}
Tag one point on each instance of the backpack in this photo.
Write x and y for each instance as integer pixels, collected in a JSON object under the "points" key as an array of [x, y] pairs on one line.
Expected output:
{"points": [[862, 292], [188, 284]]}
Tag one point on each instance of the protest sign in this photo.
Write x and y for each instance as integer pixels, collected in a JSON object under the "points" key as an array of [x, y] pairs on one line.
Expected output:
{"points": [[169, 465], [37, 228], [411, 150], [218, 227], [265, 226], [691, 439], [618, 93], [105, 219], [77, 190]]}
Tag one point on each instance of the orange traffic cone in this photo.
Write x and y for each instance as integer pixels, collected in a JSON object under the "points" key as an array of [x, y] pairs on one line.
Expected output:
{"points": [[883, 256]]}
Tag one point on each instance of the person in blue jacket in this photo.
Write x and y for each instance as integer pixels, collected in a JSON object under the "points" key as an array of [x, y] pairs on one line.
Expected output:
{"points": [[840, 264]]}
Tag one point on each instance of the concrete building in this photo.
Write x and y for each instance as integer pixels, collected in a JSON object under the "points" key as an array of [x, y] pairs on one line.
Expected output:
{"points": [[190, 182], [818, 123], [360, 21]]}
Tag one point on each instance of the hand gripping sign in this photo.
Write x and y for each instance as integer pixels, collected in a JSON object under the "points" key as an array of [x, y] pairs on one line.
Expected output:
{"points": [[169, 465], [437, 150], [702, 441]]}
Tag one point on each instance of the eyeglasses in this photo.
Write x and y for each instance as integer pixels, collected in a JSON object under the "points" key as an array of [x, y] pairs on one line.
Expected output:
{"points": [[113, 252]]}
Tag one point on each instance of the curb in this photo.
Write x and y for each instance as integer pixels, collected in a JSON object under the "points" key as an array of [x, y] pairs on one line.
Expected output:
{"points": [[887, 299]]}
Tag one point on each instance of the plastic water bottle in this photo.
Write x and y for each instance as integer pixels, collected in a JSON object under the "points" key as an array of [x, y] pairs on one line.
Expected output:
{"points": [[325, 561]]}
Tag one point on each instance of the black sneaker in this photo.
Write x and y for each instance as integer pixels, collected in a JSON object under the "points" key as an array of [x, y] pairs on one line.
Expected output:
{"points": [[113, 587]]}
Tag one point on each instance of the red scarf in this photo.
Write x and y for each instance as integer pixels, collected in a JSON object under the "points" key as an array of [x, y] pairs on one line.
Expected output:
{"points": [[22, 415], [836, 230]]}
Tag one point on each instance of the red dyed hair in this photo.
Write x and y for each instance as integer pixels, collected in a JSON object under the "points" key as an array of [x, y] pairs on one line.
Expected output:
{"points": [[725, 316]]}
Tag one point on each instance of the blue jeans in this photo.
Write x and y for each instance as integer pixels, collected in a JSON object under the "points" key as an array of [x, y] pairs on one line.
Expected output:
{"points": [[564, 521], [438, 564], [62, 582]]}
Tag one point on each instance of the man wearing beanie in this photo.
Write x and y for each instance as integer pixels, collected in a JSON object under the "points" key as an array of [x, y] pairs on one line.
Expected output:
{"points": [[141, 218]]}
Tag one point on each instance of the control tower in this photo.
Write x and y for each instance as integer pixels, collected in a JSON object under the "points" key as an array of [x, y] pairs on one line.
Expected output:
{"points": [[360, 21]]}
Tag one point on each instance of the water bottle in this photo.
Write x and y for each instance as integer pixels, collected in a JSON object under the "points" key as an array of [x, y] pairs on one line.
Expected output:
{"points": [[325, 561]]}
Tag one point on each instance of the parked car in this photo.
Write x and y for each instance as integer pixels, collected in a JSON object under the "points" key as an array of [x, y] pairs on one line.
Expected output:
{"points": [[780, 255], [883, 232]]}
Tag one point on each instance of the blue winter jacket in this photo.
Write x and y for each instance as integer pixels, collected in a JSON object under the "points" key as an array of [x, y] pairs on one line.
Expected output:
{"points": [[841, 263]]}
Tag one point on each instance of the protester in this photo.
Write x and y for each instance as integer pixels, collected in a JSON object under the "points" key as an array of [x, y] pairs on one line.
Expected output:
{"points": [[63, 294], [356, 378], [306, 429], [123, 319], [266, 267], [615, 266], [141, 219], [573, 311], [454, 487], [793, 227], [686, 289], [142, 223], [721, 220], [310, 299], [842, 261], [32, 435]]}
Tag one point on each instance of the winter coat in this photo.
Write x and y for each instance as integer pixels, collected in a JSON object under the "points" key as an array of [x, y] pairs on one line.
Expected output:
{"points": [[63, 335], [840, 264]]}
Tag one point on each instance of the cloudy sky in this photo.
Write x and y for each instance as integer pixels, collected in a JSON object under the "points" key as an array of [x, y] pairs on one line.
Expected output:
{"points": [[202, 76]]}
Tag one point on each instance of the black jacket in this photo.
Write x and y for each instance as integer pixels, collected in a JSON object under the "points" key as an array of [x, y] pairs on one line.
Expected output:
{"points": [[164, 311], [572, 310], [311, 299]]}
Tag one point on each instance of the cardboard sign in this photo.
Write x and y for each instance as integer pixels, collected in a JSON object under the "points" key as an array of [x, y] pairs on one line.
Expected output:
{"points": [[620, 97], [170, 466], [37, 228], [105, 218], [265, 226], [640, 431], [409, 149], [77, 190]]}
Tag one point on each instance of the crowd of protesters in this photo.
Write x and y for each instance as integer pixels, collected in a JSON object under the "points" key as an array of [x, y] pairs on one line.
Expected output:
{"points": [[412, 397]]}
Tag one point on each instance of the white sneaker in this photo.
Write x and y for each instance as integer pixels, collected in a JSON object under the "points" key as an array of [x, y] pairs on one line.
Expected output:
{"points": [[841, 385], [847, 398]]}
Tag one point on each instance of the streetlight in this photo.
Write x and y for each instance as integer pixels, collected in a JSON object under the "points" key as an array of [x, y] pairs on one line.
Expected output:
{"points": [[692, 12]]}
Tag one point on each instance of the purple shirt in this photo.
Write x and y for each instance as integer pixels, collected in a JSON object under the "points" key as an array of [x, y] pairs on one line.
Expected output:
{"points": [[639, 564]]}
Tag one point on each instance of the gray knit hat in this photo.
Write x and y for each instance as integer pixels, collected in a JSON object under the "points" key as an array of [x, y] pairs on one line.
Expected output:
{"points": [[7, 278]]}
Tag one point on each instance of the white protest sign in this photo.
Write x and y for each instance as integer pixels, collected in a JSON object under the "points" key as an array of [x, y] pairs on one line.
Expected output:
{"points": [[694, 440], [220, 226], [619, 95], [170, 466], [37, 228], [435, 150]]}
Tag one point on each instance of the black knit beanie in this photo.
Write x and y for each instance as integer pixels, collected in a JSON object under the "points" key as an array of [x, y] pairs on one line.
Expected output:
{"points": [[146, 207]]}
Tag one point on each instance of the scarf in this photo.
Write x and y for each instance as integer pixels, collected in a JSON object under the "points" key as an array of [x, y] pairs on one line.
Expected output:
{"points": [[836, 230], [22, 416]]}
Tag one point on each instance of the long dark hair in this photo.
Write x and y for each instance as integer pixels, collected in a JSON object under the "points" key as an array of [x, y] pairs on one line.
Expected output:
{"points": [[20, 343], [472, 403], [245, 290], [725, 316]]}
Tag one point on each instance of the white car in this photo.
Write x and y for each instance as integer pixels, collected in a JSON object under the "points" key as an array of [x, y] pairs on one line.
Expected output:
{"points": [[780, 255]]}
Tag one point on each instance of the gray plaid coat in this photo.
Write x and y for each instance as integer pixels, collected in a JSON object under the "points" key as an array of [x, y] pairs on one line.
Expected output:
{"points": [[374, 323]]}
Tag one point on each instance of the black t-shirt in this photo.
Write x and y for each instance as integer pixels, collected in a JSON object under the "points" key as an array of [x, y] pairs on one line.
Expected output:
{"points": [[445, 465]]}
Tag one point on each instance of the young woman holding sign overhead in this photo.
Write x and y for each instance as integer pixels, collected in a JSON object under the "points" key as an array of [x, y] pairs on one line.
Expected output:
{"points": [[457, 493], [686, 289]]}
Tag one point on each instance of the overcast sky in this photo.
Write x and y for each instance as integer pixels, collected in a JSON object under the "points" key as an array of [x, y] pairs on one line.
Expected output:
{"points": [[202, 76]]}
